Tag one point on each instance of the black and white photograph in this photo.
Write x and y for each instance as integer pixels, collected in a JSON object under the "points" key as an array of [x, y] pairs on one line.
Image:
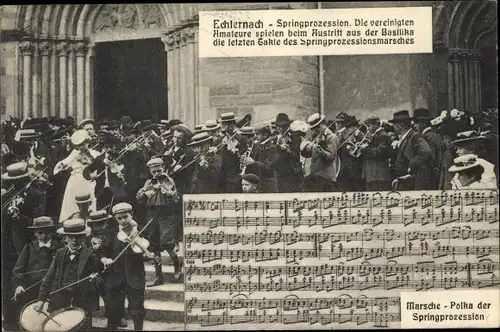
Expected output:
{"points": [[146, 187]]}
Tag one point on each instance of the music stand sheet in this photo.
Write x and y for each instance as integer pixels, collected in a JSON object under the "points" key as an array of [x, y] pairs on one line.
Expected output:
{"points": [[331, 260]]}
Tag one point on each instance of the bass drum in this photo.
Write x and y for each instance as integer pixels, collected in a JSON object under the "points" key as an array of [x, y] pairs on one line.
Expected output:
{"points": [[65, 320], [31, 320]]}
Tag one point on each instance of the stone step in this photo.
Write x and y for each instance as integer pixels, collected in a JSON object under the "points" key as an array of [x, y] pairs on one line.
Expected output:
{"points": [[167, 272], [156, 310], [99, 324]]}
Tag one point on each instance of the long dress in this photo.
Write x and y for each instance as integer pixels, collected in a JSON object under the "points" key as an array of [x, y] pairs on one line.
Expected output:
{"points": [[77, 185]]}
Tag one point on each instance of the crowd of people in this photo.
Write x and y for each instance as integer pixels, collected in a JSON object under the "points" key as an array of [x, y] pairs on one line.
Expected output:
{"points": [[110, 192]]}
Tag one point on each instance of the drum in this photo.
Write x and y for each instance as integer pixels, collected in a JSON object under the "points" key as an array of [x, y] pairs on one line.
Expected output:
{"points": [[31, 320], [65, 320]]}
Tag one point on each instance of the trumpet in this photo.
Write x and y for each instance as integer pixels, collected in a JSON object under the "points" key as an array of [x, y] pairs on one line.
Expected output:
{"points": [[244, 157]]}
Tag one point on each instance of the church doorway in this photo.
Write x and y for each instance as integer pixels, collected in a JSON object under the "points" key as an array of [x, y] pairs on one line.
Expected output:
{"points": [[130, 78]]}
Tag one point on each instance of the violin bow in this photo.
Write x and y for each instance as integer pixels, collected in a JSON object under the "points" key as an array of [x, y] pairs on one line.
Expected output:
{"points": [[132, 241], [35, 176]]}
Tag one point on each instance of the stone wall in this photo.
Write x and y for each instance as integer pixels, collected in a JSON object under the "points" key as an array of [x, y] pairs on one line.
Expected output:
{"points": [[262, 87], [8, 79]]}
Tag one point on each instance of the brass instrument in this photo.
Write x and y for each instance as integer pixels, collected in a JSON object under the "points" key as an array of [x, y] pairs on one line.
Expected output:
{"points": [[244, 157]]}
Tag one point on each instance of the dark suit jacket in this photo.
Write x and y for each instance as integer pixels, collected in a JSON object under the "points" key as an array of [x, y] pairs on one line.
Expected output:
{"points": [[31, 260], [436, 143], [115, 183], [415, 153], [376, 158], [129, 268], [207, 180], [265, 157], [183, 178], [87, 295], [230, 179]]}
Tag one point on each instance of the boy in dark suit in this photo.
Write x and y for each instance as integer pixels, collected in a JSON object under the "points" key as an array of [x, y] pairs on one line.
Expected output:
{"points": [[71, 264], [126, 276], [34, 262]]}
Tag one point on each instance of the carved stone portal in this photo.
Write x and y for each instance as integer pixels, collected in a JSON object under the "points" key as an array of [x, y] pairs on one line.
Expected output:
{"points": [[112, 18]]}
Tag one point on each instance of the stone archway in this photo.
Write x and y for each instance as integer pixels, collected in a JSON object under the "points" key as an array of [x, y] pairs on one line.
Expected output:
{"points": [[56, 54]]}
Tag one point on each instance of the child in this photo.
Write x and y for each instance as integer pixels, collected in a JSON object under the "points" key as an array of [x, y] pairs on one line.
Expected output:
{"points": [[83, 201], [126, 276], [34, 262], [71, 264], [164, 207], [250, 183]]}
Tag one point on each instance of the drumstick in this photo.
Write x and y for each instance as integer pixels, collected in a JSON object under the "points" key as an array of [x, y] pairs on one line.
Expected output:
{"points": [[30, 287], [47, 315], [72, 284]]}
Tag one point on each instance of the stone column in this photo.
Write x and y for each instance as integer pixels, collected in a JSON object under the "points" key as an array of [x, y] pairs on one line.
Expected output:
{"points": [[183, 66], [80, 53], [169, 47], [177, 77], [189, 35], [35, 110], [89, 86], [62, 51], [476, 69], [467, 81], [54, 81], [71, 111], [45, 52], [27, 48], [455, 89]]}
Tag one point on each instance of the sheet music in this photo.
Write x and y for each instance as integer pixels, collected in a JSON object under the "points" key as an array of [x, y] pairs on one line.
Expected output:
{"points": [[336, 260]]}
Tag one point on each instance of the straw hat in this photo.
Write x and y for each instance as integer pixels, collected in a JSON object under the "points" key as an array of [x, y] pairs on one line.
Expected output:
{"points": [[464, 162], [16, 171], [74, 227]]}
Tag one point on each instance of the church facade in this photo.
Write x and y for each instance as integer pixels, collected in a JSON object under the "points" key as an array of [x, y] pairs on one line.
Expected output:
{"points": [[50, 55]]}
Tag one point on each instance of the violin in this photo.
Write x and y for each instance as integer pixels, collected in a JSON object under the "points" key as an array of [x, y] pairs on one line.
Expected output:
{"points": [[13, 208], [139, 245]]}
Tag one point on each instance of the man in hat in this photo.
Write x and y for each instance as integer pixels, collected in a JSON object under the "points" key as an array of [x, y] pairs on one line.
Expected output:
{"points": [[34, 261], [322, 149], [250, 183], [126, 276], [262, 160], [213, 128], [178, 157], [207, 171], [469, 173], [71, 264], [340, 123], [351, 166], [376, 155], [89, 126], [164, 207], [152, 144], [467, 143], [231, 152], [422, 120], [288, 166], [83, 201], [413, 156]]}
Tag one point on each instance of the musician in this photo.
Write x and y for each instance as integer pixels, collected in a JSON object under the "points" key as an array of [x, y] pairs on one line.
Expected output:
{"points": [[468, 172], [412, 156], [125, 277], [467, 144], [299, 131], [83, 202], [422, 118], [288, 166], [207, 171], [376, 155], [152, 144], [89, 126], [164, 207], [351, 166], [80, 157], [213, 128], [339, 122], [262, 160], [40, 155], [110, 182], [322, 150], [71, 264], [250, 183], [178, 156], [34, 262], [231, 152], [102, 242]]}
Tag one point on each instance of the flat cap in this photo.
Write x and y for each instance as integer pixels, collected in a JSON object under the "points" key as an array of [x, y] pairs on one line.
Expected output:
{"points": [[121, 208]]}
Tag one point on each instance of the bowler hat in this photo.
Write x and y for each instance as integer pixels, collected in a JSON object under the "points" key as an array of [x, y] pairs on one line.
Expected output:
{"points": [[200, 138], [83, 198], [20, 149], [98, 216], [146, 125], [282, 119], [121, 208], [315, 119], [183, 129], [422, 114], [16, 171], [252, 178], [42, 223], [74, 227], [401, 116]]}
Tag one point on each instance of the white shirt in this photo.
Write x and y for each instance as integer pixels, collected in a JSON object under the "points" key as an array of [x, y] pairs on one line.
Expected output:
{"points": [[46, 244], [401, 140]]}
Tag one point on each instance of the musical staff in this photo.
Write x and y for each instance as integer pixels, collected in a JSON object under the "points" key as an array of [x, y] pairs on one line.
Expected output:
{"points": [[328, 260]]}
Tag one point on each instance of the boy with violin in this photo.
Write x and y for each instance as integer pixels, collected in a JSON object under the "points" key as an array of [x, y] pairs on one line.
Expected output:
{"points": [[34, 262], [164, 209], [71, 278], [126, 275]]}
